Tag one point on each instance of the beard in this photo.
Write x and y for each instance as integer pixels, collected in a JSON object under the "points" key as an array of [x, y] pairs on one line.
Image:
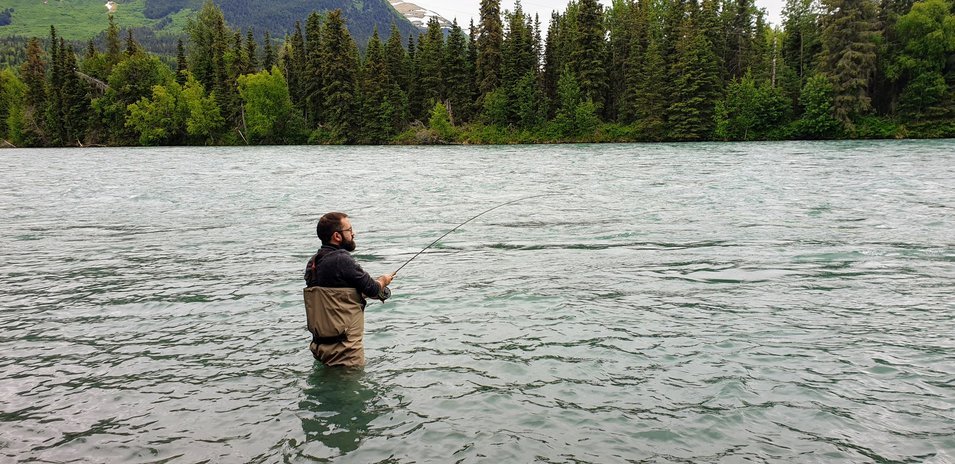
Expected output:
{"points": [[349, 245]]}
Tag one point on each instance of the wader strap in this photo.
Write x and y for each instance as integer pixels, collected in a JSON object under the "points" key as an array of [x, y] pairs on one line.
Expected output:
{"points": [[342, 337]]}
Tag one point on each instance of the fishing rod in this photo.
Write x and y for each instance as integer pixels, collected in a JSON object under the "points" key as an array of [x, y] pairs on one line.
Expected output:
{"points": [[463, 223]]}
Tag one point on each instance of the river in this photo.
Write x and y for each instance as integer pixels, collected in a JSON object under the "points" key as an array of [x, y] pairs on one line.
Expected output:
{"points": [[759, 302]]}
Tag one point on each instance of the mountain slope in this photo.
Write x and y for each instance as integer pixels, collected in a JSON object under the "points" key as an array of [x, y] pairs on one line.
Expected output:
{"points": [[419, 16], [83, 19]]}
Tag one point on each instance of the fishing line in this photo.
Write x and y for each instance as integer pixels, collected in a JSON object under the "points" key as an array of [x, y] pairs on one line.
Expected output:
{"points": [[465, 222]]}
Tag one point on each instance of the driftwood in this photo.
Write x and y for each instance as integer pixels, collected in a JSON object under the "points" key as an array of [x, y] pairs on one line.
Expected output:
{"points": [[102, 86], [6, 143]]}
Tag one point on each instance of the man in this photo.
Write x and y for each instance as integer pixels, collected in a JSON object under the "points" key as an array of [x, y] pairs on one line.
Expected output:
{"points": [[336, 287]]}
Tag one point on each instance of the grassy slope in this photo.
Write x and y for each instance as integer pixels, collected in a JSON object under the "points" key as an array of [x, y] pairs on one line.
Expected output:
{"points": [[74, 19]]}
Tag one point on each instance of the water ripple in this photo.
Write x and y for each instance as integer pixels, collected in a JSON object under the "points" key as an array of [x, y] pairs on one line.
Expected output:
{"points": [[778, 302]]}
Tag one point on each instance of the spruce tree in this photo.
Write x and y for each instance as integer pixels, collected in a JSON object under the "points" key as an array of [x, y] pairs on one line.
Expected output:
{"points": [[296, 67], [377, 110], [112, 44], [208, 35], [457, 75], [77, 105], [339, 78], [251, 53], [696, 86], [313, 70], [395, 60], [801, 41], [181, 65], [56, 129], [268, 53], [490, 40], [430, 65], [588, 57], [132, 47], [633, 72], [848, 58], [33, 74]]}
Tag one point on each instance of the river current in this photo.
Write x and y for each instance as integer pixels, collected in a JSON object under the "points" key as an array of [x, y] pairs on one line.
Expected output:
{"points": [[762, 302]]}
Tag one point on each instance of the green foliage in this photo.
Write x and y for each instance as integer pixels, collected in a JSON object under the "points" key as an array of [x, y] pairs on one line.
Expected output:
{"points": [[848, 58], [681, 70], [270, 117], [817, 121], [74, 19], [159, 120], [11, 97], [131, 80], [927, 36], [489, 44], [750, 111], [176, 114], [874, 127], [440, 123]]}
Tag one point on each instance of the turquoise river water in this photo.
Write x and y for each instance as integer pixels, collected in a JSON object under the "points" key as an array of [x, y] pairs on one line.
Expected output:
{"points": [[766, 302]]}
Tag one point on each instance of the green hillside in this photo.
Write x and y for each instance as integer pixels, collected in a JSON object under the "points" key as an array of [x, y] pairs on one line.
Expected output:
{"points": [[84, 19], [74, 19]]}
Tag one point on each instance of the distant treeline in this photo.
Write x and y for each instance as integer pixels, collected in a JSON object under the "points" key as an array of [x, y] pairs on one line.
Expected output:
{"points": [[639, 71]]}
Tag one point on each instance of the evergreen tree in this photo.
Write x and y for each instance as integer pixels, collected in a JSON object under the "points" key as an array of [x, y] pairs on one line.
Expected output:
{"points": [[313, 70], [552, 64], [631, 73], [588, 57], [474, 91], [90, 50], [295, 67], [55, 125], [132, 47], [652, 100], [268, 54], [489, 43], [431, 64], [801, 42], [239, 59], [395, 60], [181, 65], [208, 36], [251, 53], [849, 55], [112, 45], [339, 78], [33, 74], [519, 61], [77, 104], [741, 39], [415, 89], [457, 76], [378, 110], [696, 87], [621, 24]]}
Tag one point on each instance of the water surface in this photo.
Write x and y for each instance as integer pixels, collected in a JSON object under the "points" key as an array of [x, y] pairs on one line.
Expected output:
{"points": [[770, 302]]}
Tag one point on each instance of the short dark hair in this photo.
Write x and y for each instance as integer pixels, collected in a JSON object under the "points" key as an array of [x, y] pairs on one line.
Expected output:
{"points": [[328, 225]]}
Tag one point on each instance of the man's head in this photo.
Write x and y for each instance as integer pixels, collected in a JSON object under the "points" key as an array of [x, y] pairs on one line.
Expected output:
{"points": [[335, 229]]}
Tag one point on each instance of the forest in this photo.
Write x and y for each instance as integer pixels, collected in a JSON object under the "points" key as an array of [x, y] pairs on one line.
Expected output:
{"points": [[639, 70]]}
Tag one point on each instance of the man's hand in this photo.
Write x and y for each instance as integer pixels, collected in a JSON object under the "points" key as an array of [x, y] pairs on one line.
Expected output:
{"points": [[385, 280]]}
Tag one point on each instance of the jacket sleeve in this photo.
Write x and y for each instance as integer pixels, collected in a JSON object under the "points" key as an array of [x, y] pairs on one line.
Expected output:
{"points": [[360, 279]]}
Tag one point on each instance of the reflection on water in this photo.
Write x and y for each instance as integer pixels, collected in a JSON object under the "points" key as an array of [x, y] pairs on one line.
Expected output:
{"points": [[336, 409]]}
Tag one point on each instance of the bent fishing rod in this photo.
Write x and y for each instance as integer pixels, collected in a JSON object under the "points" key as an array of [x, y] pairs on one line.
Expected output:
{"points": [[465, 222]]}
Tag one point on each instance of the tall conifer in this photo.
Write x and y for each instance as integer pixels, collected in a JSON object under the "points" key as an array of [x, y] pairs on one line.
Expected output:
{"points": [[490, 40], [849, 55]]}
